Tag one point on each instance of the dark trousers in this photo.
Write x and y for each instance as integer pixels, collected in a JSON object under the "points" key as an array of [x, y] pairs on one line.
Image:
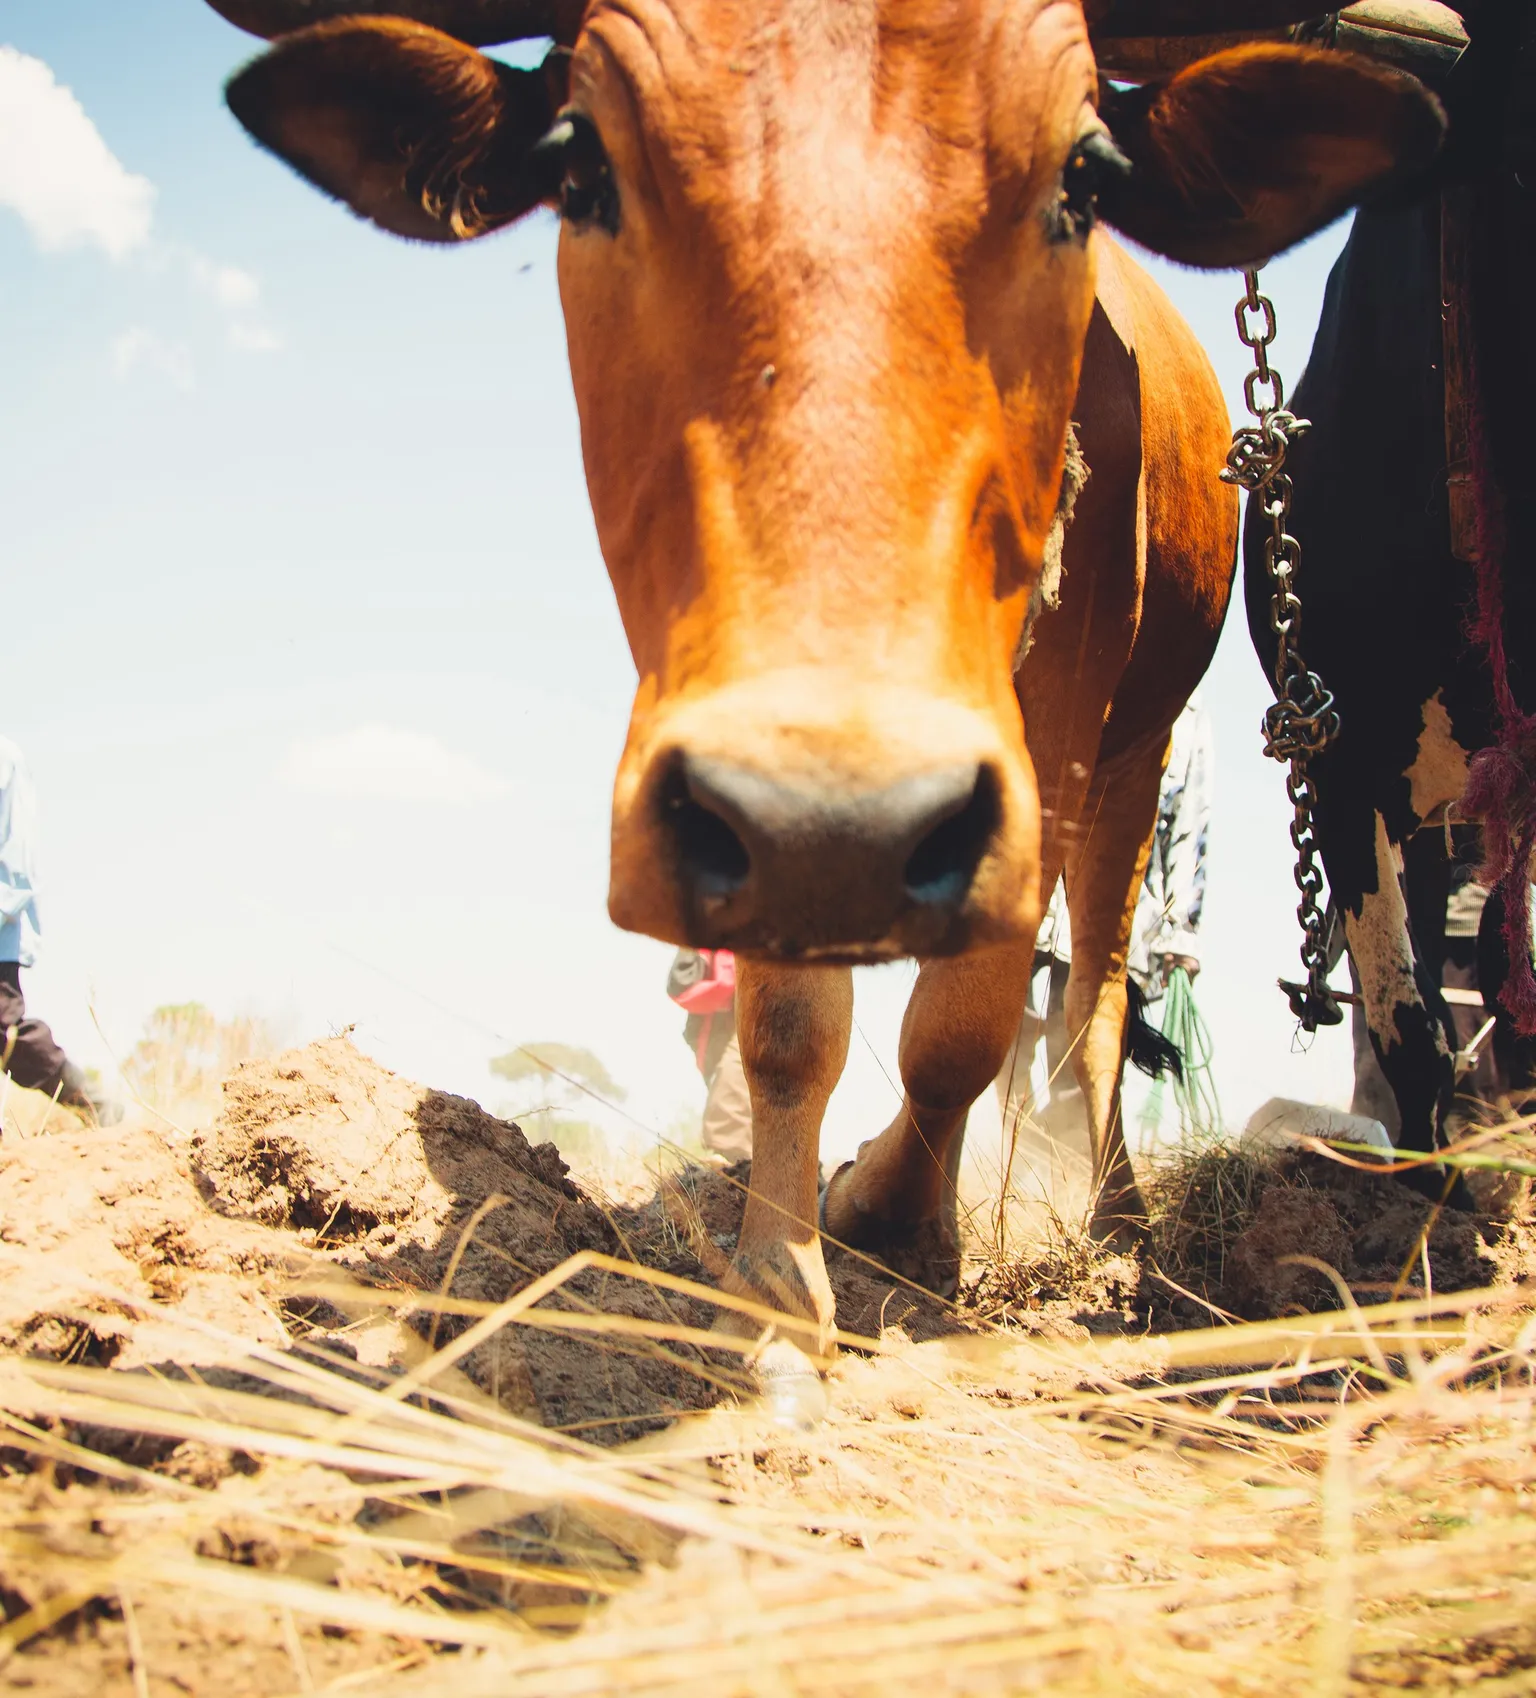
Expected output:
{"points": [[35, 1061]]}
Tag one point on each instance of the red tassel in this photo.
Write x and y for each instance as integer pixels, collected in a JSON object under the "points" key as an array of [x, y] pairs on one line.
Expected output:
{"points": [[1501, 781]]}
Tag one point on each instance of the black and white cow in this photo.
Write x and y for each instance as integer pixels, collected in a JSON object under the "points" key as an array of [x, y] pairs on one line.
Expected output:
{"points": [[1389, 609]]}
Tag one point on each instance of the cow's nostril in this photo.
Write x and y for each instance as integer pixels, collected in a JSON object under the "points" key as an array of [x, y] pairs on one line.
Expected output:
{"points": [[940, 869], [762, 863], [711, 854], [710, 851]]}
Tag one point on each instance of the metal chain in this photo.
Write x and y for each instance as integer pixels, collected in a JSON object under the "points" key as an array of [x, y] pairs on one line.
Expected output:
{"points": [[1303, 720]]}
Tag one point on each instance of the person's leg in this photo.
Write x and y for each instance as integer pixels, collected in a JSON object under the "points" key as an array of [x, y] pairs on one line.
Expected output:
{"points": [[727, 1130], [1065, 1116], [33, 1058], [29, 1052], [1021, 1081], [1045, 1151], [1104, 878]]}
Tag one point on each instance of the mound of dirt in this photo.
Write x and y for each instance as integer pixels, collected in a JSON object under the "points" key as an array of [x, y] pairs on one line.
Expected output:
{"points": [[329, 1198], [1264, 1235], [139, 1247], [324, 1188], [1255, 1234], [109, 1255]]}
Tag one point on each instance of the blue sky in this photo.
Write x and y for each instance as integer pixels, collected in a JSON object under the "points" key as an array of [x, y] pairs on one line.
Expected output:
{"points": [[308, 638]]}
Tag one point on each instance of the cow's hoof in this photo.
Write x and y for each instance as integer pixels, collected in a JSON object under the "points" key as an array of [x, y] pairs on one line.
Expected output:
{"points": [[1118, 1234], [790, 1282], [1120, 1223], [1435, 1185], [791, 1391], [1460, 1195], [926, 1252]]}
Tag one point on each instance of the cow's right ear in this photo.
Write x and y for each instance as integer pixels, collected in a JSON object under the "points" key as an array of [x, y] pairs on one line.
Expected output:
{"points": [[1245, 153], [425, 136]]}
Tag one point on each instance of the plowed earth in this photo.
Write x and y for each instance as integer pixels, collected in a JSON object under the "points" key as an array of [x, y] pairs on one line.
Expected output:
{"points": [[156, 1251]]}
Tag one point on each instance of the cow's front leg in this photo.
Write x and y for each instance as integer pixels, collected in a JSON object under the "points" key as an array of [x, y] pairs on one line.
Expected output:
{"points": [[1104, 877], [1404, 1011], [793, 1025], [897, 1200]]}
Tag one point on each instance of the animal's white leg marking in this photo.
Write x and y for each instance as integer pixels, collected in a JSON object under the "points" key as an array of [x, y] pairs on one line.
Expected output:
{"points": [[1381, 947], [1378, 939]]}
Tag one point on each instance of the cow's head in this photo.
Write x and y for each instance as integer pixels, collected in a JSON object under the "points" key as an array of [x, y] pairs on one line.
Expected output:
{"points": [[827, 272]]}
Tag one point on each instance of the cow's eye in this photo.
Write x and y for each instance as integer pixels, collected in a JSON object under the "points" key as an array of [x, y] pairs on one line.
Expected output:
{"points": [[1092, 166], [571, 160]]}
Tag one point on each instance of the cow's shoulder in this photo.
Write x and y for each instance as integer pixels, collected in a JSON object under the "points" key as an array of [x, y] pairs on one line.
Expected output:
{"points": [[1115, 288]]}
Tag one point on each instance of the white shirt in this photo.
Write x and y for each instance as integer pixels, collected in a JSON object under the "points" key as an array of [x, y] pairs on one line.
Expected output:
{"points": [[1173, 893], [18, 841]]}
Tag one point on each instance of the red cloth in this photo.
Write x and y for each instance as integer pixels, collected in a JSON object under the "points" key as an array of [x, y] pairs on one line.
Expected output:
{"points": [[715, 993], [1501, 781]]}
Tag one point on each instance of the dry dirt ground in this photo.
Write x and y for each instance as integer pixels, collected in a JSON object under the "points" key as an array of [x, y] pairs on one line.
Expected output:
{"points": [[185, 1313]]}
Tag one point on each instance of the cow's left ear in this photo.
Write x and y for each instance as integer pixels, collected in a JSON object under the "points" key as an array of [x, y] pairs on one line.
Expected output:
{"points": [[409, 127], [1245, 153]]}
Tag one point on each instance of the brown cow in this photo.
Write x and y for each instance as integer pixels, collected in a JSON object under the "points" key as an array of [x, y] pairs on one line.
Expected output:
{"points": [[832, 300]]}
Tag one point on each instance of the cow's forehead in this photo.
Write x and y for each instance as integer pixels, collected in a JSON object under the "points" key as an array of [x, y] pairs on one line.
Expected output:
{"points": [[942, 75]]}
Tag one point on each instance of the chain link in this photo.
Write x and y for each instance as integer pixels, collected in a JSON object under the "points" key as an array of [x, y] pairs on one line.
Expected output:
{"points": [[1302, 720]]}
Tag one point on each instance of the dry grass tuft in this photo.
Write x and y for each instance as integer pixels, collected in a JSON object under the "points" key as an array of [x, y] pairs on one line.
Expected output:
{"points": [[1199, 1200], [324, 1489], [1061, 1270], [1339, 1502]]}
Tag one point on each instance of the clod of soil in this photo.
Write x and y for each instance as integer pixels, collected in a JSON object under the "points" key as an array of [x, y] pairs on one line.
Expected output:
{"points": [[1231, 1224], [137, 1247], [109, 1255], [407, 1187], [1264, 1274]]}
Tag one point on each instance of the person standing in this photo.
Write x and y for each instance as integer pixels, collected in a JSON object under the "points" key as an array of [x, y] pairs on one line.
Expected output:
{"points": [[28, 1051], [1166, 932], [702, 982], [1037, 1081]]}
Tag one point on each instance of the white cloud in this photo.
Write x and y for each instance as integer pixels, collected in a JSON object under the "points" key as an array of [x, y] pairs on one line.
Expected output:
{"points": [[70, 190], [254, 338], [228, 284], [56, 172], [138, 349], [239, 294], [378, 762]]}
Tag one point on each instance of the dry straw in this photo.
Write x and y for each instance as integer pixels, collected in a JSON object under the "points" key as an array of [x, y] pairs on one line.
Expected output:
{"points": [[1335, 1502]]}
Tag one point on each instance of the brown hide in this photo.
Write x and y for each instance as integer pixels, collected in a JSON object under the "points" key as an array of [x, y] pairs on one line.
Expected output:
{"points": [[827, 279], [478, 22], [828, 284], [1147, 573], [824, 390]]}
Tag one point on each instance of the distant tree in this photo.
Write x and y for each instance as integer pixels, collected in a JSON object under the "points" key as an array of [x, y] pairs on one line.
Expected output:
{"points": [[186, 1053], [548, 1081], [556, 1065]]}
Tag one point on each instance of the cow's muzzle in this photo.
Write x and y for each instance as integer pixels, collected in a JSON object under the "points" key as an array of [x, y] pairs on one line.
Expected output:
{"points": [[800, 870], [816, 856]]}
